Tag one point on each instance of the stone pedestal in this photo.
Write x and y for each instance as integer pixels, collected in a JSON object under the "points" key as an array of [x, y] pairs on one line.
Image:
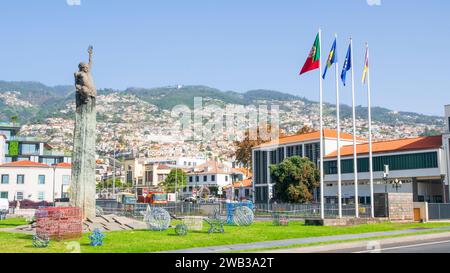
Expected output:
{"points": [[83, 160]]}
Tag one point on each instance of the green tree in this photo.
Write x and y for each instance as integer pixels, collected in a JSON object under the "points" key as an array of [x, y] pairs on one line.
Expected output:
{"points": [[295, 179], [177, 178], [109, 183]]}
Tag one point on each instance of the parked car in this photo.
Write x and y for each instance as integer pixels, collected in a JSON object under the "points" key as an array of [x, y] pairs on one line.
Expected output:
{"points": [[191, 199]]}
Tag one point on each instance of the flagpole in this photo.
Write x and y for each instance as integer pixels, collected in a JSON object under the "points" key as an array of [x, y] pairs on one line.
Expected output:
{"points": [[322, 204], [355, 157], [338, 136], [369, 105]]}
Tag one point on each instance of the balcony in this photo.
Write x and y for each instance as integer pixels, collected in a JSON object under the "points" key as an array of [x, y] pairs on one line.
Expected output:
{"points": [[56, 153], [26, 139]]}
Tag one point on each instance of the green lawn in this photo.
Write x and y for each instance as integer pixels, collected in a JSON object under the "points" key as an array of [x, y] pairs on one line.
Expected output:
{"points": [[13, 222], [151, 241]]}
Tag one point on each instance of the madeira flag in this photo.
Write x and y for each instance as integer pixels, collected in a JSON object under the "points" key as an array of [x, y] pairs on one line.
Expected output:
{"points": [[366, 66], [313, 61], [332, 58]]}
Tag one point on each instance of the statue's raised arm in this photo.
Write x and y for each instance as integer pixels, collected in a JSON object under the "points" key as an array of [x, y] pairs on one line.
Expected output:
{"points": [[91, 53]]}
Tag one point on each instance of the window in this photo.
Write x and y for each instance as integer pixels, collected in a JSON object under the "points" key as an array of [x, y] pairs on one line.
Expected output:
{"points": [[66, 180], [4, 195], [448, 124], [41, 179], [191, 179], [395, 162], [20, 179], [197, 178], [41, 196], [7, 133], [19, 196], [226, 178], [5, 178], [205, 178], [213, 178], [29, 149]]}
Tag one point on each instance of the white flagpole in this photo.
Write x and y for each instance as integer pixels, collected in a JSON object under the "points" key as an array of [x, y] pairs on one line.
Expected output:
{"points": [[322, 204], [369, 105], [338, 137], [355, 157]]}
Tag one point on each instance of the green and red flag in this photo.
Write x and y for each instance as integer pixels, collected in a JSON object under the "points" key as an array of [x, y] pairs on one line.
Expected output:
{"points": [[313, 61]]}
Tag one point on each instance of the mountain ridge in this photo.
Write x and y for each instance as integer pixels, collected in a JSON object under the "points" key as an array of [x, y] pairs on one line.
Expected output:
{"points": [[33, 101]]}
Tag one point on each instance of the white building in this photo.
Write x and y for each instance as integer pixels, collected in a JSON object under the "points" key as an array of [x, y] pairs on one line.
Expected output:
{"points": [[27, 180], [212, 174]]}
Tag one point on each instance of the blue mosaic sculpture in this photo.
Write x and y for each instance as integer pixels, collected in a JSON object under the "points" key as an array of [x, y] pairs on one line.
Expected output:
{"points": [[41, 240], [181, 230], [231, 208], [97, 238], [243, 216]]}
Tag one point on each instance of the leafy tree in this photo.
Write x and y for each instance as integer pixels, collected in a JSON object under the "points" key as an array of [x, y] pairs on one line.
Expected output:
{"points": [[243, 153], [295, 178], [176, 177], [14, 119], [109, 183], [304, 130]]}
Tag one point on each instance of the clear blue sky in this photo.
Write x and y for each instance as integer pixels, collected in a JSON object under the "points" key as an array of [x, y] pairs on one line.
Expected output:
{"points": [[232, 45]]}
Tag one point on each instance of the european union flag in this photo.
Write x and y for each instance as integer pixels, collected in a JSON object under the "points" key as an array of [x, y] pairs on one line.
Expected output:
{"points": [[347, 64], [332, 58]]}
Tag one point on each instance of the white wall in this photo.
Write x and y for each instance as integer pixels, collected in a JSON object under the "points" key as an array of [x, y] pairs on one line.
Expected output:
{"points": [[31, 186], [220, 180]]}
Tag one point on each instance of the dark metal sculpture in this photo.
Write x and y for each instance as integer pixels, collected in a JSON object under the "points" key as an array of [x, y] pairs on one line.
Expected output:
{"points": [[216, 223]]}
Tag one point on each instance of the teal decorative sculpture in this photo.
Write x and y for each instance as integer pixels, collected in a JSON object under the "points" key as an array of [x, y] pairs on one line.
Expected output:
{"points": [[41, 240], [97, 238]]}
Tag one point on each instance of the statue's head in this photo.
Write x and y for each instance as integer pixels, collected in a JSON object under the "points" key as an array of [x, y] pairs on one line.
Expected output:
{"points": [[83, 67]]}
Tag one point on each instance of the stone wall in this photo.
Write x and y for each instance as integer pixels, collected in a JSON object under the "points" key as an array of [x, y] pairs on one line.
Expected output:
{"points": [[401, 206]]}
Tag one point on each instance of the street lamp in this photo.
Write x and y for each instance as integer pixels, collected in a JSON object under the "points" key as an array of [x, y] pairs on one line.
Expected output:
{"points": [[397, 184]]}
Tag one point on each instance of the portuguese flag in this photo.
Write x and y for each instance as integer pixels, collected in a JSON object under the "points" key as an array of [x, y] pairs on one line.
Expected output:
{"points": [[313, 61]]}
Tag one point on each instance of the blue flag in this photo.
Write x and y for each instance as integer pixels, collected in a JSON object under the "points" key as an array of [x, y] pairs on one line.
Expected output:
{"points": [[332, 58], [347, 64]]}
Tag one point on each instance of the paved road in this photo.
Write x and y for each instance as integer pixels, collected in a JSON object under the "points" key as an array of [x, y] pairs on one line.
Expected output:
{"points": [[433, 246], [436, 245], [423, 243]]}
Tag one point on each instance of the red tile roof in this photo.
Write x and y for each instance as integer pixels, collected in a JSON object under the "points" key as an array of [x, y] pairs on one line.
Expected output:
{"points": [[64, 165], [408, 144], [244, 183], [328, 133], [24, 163]]}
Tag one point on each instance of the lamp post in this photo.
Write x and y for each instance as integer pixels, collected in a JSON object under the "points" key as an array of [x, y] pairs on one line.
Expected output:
{"points": [[385, 177], [54, 183]]}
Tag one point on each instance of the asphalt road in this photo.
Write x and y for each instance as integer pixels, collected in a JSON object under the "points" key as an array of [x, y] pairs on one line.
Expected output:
{"points": [[441, 245]]}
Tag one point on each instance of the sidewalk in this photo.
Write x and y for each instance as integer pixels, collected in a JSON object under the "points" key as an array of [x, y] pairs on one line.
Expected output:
{"points": [[290, 242]]}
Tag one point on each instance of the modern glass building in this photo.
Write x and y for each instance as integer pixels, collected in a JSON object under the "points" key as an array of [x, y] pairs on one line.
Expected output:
{"points": [[19, 148], [418, 163]]}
